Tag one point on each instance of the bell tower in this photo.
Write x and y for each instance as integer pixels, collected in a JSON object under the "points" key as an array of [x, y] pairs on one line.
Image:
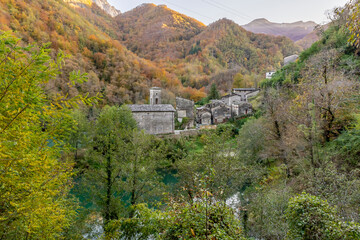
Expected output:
{"points": [[155, 95]]}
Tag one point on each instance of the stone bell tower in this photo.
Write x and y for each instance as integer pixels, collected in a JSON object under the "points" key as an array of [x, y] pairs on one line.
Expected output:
{"points": [[155, 95]]}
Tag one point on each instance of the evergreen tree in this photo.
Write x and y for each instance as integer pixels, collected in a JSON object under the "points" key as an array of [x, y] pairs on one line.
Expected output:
{"points": [[214, 93]]}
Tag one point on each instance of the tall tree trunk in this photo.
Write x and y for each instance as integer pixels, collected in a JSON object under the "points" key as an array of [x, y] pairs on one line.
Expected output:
{"points": [[108, 190]]}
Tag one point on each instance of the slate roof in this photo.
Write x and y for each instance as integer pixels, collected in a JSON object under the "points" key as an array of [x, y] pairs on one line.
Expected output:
{"points": [[151, 108], [230, 95], [290, 59], [253, 92], [245, 89]]}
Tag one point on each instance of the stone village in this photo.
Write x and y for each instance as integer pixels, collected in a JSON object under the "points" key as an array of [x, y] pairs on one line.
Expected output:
{"points": [[157, 118]]}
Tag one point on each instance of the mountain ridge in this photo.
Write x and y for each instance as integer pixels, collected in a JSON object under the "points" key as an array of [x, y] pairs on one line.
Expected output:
{"points": [[295, 30]]}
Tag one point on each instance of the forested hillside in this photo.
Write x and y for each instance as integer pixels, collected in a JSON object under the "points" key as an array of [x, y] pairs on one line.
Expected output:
{"points": [[183, 55], [200, 55], [157, 32], [89, 36]]}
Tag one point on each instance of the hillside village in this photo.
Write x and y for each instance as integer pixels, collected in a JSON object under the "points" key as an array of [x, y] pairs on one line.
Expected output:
{"points": [[157, 118]]}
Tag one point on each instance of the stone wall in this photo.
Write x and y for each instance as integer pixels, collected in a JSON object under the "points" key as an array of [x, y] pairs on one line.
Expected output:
{"points": [[155, 122], [230, 99], [185, 108]]}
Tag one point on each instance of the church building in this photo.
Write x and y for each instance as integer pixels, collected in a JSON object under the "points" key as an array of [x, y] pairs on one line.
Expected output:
{"points": [[155, 118]]}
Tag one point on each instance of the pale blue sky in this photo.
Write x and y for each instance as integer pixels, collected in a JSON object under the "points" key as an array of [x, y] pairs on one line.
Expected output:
{"points": [[243, 11]]}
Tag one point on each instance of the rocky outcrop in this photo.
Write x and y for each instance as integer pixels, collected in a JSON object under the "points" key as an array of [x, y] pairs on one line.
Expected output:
{"points": [[103, 4]]}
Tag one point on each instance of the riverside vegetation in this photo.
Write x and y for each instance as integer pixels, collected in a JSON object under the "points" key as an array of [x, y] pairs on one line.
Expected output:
{"points": [[70, 164]]}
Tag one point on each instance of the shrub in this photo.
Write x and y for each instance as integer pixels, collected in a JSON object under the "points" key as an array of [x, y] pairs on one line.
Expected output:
{"points": [[309, 217]]}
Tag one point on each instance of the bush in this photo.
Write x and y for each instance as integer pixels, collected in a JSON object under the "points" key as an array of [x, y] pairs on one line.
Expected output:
{"points": [[309, 217], [227, 127]]}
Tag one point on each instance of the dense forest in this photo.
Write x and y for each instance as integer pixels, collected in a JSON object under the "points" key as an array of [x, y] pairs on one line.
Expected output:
{"points": [[74, 165]]}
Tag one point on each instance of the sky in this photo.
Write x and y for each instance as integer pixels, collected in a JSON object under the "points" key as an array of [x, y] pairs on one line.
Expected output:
{"points": [[244, 11]]}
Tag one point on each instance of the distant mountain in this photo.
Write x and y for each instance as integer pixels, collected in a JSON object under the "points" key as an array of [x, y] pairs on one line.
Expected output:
{"points": [[312, 37], [103, 4], [295, 31], [156, 31]]}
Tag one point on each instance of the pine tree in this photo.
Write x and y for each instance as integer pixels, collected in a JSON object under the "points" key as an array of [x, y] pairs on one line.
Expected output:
{"points": [[213, 94]]}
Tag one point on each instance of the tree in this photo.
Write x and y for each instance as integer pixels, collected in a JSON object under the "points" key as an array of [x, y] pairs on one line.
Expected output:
{"points": [[35, 172], [239, 81], [106, 158], [206, 218], [120, 168], [142, 161], [219, 156], [213, 94], [353, 22], [324, 105]]}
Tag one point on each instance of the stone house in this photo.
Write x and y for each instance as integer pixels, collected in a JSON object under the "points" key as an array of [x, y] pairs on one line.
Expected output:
{"points": [[242, 108], [269, 75], [155, 118], [185, 109], [220, 113], [231, 98], [229, 106], [245, 91], [203, 116], [213, 113]]}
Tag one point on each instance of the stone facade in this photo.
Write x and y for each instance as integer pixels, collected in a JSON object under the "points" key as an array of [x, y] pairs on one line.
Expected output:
{"points": [[251, 94], [185, 109], [154, 119], [155, 95], [243, 108], [229, 106], [220, 113], [243, 92], [213, 113], [203, 116], [231, 98]]}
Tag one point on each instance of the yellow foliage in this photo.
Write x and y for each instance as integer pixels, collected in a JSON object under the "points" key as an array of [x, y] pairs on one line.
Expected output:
{"points": [[35, 177]]}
